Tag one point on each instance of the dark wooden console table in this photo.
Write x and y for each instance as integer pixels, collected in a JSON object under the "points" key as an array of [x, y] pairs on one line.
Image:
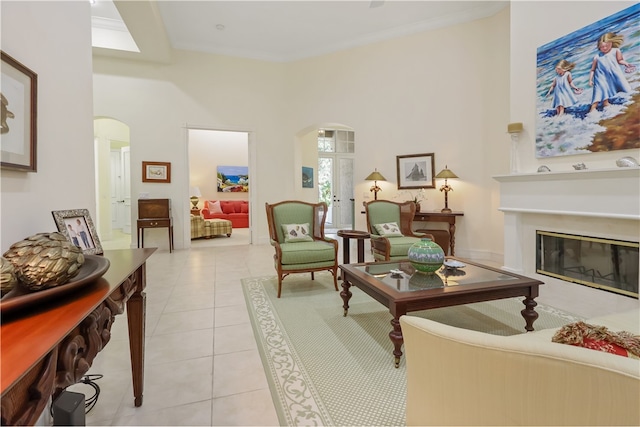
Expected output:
{"points": [[437, 216], [50, 346], [154, 213]]}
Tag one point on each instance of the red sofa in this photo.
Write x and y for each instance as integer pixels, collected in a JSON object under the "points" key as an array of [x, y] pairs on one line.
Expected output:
{"points": [[236, 211]]}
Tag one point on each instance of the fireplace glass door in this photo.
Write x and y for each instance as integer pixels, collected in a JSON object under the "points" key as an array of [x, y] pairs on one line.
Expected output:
{"points": [[606, 264]]}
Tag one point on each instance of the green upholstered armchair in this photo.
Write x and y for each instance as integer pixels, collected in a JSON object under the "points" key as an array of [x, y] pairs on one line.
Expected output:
{"points": [[394, 245], [296, 231]]}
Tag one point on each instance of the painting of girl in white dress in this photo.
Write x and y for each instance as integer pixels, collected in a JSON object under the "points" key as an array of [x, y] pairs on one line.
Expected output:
{"points": [[588, 88]]}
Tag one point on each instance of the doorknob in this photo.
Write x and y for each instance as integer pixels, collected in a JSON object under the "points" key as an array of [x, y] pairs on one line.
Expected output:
{"points": [[120, 201]]}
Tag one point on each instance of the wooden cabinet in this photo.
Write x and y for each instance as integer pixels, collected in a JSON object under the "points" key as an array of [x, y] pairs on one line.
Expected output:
{"points": [[154, 213]]}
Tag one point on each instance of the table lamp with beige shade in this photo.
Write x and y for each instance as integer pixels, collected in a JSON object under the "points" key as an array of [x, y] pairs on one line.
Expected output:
{"points": [[445, 174], [375, 176]]}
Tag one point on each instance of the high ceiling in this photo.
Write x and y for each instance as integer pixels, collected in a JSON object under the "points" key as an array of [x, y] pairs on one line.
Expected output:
{"points": [[280, 30]]}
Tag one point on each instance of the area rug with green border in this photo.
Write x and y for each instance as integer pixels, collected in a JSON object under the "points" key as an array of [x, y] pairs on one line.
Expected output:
{"points": [[327, 369]]}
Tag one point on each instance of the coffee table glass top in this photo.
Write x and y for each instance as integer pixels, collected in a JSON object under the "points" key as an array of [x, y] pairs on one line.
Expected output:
{"points": [[406, 279]]}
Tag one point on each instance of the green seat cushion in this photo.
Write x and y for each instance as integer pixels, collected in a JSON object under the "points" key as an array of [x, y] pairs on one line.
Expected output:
{"points": [[307, 253], [400, 245]]}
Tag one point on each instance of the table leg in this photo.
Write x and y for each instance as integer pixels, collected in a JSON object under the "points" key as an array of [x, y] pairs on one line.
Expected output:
{"points": [[171, 239], [346, 254], [360, 250], [529, 313], [136, 306], [346, 295], [452, 238], [396, 339]]}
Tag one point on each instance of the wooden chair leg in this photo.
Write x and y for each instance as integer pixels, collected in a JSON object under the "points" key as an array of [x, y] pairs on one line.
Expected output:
{"points": [[335, 278], [312, 277], [279, 285]]}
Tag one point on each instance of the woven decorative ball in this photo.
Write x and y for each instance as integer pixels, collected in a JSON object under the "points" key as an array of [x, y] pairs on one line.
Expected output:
{"points": [[8, 277], [45, 260]]}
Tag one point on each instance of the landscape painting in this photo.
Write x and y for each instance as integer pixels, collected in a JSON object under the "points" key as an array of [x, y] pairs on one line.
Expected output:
{"points": [[233, 179], [588, 88]]}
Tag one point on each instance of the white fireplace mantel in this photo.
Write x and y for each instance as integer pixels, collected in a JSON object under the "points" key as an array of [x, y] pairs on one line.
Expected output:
{"points": [[605, 193]]}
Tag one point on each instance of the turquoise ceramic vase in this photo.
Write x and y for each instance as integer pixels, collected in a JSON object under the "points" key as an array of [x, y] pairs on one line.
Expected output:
{"points": [[426, 256]]}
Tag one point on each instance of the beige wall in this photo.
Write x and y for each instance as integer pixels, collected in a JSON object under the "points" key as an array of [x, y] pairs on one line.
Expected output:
{"points": [[415, 94], [449, 91], [61, 56]]}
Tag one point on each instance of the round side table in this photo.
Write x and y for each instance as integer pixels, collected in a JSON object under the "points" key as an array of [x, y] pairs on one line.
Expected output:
{"points": [[352, 234]]}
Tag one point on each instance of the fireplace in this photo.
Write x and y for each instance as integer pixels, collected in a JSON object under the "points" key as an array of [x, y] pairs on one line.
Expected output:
{"points": [[606, 264], [601, 203]]}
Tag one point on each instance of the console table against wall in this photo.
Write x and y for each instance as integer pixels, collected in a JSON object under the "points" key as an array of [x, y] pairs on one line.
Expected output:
{"points": [[154, 213], [48, 347], [438, 216]]}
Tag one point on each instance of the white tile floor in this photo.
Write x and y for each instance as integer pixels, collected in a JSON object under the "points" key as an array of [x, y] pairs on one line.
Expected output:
{"points": [[202, 363]]}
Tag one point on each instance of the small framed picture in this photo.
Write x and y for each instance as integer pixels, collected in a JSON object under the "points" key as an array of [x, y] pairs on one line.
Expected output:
{"points": [[156, 172], [19, 113], [416, 171], [307, 177], [77, 226]]}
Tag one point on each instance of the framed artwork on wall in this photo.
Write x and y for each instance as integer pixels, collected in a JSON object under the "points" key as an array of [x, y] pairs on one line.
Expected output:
{"points": [[233, 179], [77, 226], [307, 177], [415, 171], [18, 122], [156, 172], [587, 87]]}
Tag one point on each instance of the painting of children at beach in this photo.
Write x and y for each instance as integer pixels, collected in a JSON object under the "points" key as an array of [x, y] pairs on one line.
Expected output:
{"points": [[588, 88]]}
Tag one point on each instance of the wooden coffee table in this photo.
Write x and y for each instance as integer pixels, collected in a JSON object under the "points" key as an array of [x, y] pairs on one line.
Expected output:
{"points": [[411, 291]]}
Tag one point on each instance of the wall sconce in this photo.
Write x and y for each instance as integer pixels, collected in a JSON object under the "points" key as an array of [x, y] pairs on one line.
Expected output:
{"points": [[514, 130], [195, 195], [446, 174], [375, 176]]}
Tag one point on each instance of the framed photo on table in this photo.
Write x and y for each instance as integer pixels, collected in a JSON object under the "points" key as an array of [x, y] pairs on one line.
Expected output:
{"points": [[156, 172], [416, 171], [19, 96], [77, 226]]}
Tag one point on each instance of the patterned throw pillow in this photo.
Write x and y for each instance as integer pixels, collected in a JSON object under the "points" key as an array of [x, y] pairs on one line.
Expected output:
{"points": [[296, 233], [388, 229]]}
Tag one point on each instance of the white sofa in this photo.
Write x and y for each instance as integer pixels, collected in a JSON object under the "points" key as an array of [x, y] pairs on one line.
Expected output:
{"points": [[461, 377]]}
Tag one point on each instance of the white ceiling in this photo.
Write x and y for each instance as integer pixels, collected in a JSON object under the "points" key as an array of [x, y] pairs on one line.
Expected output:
{"points": [[281, 30]]}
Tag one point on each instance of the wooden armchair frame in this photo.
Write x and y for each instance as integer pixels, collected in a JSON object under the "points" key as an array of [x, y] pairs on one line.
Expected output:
{"points": [[381, 245], [276, 237]]}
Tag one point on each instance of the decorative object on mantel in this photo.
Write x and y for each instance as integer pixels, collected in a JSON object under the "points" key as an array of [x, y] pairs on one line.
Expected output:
{"points": [[45, 260], [627, 162], [580, 166], [446, 174], [514, 130], [375, 176], [544, 168]]}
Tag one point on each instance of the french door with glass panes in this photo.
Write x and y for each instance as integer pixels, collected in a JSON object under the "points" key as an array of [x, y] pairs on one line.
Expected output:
{"points": [[335, 177]]}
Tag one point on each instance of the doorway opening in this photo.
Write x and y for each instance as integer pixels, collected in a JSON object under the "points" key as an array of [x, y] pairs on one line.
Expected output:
{"points": [[212, 155], [113, 182], [336, 155]]}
